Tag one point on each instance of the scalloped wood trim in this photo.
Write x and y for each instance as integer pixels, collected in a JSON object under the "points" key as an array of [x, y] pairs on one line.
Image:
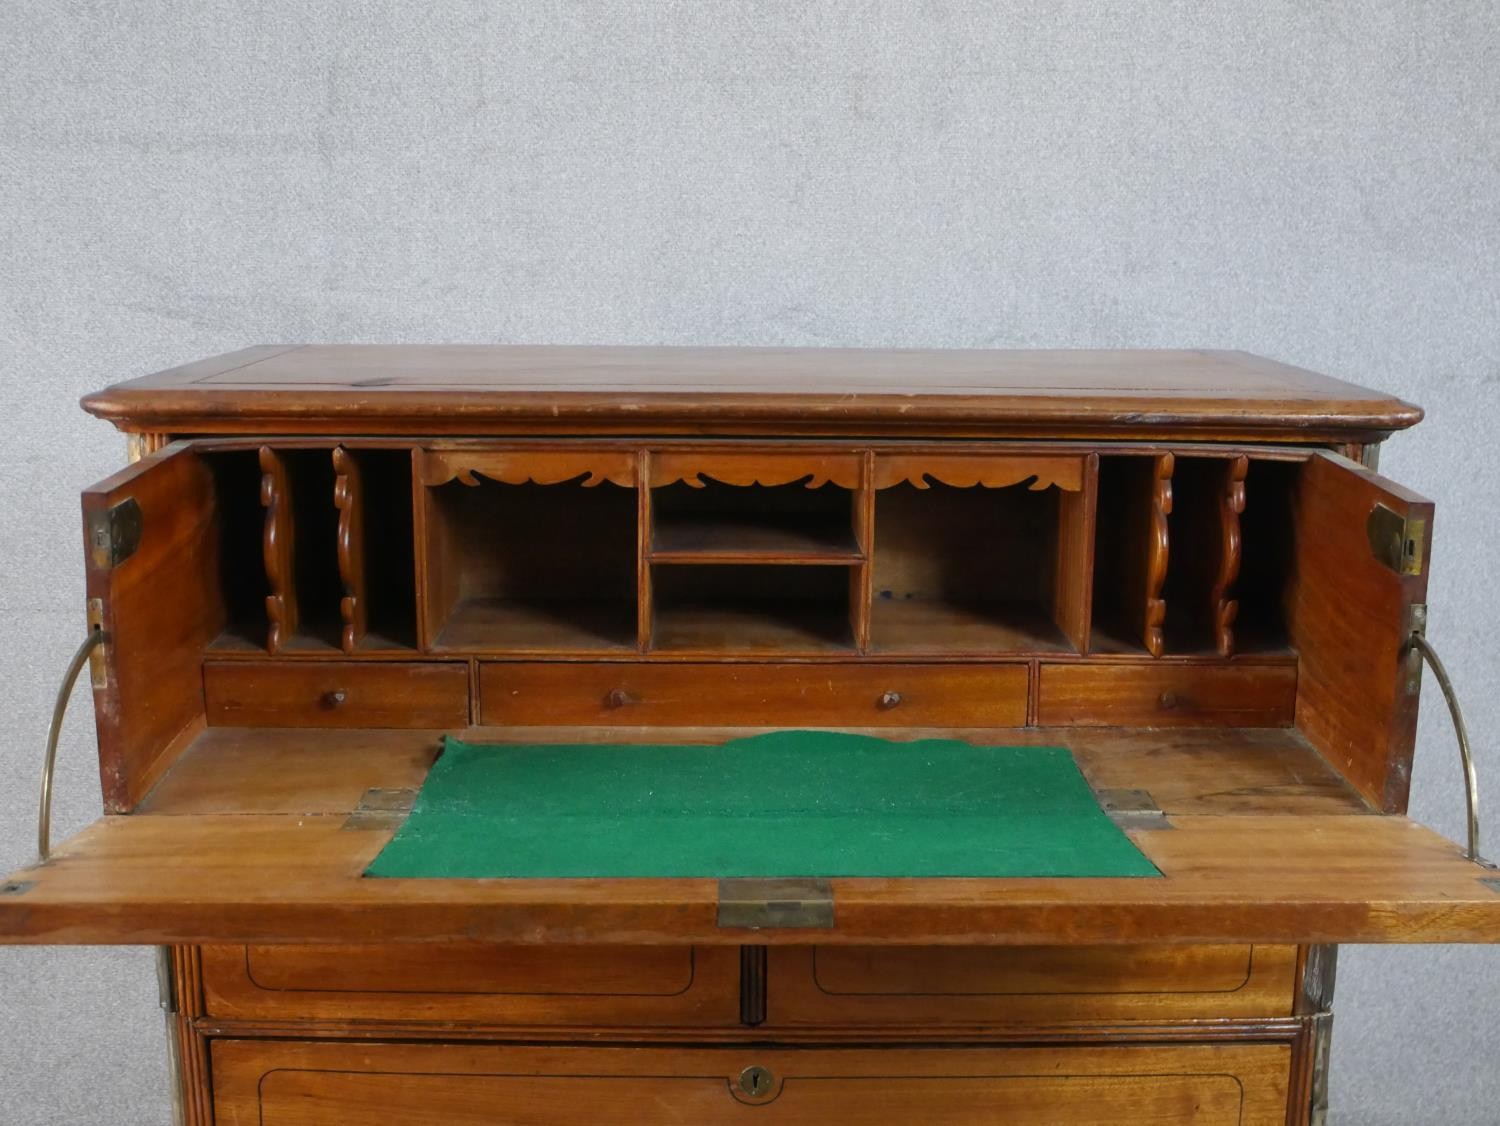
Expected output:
{"points": [[520, 467], [1157, 553], [1231, 505], [991, 471], [278, 547], [348, 498], [763, 469]]}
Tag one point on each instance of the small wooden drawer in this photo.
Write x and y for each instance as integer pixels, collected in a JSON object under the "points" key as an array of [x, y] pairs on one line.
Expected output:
{"points": [[1158, 694], [751, 695], [332, 1082], [862, 986], [335, 694], [481, 984]]}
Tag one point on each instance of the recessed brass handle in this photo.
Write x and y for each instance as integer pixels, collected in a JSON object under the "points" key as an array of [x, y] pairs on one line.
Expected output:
{"points": [[54, 730], [334, 698], [619, 698], [889, 700]]}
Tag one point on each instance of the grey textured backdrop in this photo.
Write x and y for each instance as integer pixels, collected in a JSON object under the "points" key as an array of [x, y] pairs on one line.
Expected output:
{"points": [[1314, 181]]}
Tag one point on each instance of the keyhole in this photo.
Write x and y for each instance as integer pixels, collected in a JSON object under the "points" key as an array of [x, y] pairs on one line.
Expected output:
{"points": [[756, 1081]]}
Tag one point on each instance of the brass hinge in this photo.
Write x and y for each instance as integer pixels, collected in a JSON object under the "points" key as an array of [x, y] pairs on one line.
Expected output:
{"points": [[166, 980], [114, 534], [1396, 540], [1132, 809], [757, 904]]}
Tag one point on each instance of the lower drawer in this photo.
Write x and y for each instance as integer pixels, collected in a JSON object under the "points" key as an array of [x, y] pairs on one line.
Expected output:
{"points": [[751, 695], [336, 694], [479, 984], [854, 986], [333, 1083]]}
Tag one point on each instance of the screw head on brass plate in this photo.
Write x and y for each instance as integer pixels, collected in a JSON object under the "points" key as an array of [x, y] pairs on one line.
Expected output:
{"points": [[757, 1081]]}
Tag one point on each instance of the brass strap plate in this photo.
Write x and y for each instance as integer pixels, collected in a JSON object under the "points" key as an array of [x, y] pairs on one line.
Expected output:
{"points": [[114, 534], [1132, 809], [381, 809], [1395, 540], [759, 904]]}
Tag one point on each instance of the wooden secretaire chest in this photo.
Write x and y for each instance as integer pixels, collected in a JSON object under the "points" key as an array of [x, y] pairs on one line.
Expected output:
{"points": [[1178, 566]]}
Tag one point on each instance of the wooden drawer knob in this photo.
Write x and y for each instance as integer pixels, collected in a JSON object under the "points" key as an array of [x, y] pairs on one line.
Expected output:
{"points": [[1168, 700], [889, 700], [333, 698], [619, 698]]}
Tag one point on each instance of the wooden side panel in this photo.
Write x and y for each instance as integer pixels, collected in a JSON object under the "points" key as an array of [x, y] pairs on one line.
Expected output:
{"points": [[606, 986], [1073, 588], [1156, 695], [1348, 616], [329, 1083], [864, 986], [336, 694], [160, 607], [754, 695]]}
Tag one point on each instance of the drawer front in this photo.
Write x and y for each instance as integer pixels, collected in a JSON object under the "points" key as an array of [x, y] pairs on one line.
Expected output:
{"points": [[478, 984], [1142, 694], [329, 1083], [335, 694], [732, 695], [864, 986]]}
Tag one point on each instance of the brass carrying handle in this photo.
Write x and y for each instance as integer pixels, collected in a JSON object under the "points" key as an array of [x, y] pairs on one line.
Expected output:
{"points": [[95, 638], [1471, 780]]}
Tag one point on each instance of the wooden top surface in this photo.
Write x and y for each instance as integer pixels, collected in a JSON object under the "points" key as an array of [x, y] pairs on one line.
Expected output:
{"points": [[477, 389]]}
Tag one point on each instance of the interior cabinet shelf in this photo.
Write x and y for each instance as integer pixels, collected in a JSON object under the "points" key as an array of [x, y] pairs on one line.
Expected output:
{"points": [[1112, 553], [735, 540], [537, 625], [929, 626]]}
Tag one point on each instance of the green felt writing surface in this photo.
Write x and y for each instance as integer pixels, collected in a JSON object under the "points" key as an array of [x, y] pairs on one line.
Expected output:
{"points": [[786, 804]]}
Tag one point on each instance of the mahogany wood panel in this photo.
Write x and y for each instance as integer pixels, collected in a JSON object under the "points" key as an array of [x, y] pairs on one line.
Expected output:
{"points": [[836, 986], [336, 694], [1348, 616], [160, 607], [256, 878], [607, 986], [1136, 695], [330, 1083], [754, 694], [1073, 587], [468, 389]]}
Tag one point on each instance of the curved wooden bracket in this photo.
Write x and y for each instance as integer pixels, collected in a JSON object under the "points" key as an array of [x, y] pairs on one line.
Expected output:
{"points": [[348, 498], [1157, 553], [1231, 505], [278, 548]]}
